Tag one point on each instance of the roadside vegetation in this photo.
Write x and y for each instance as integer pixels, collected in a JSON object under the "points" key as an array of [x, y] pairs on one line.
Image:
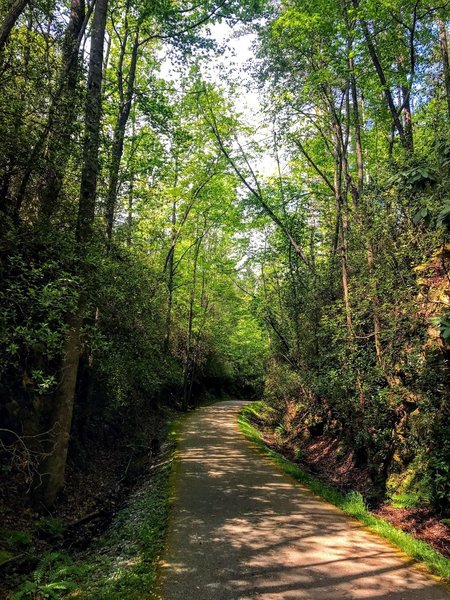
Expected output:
{"points": [[352, 503], [123, 561]]}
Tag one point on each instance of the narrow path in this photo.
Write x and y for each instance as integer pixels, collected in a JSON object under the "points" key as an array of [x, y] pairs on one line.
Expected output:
{"points": [[240, 529]]}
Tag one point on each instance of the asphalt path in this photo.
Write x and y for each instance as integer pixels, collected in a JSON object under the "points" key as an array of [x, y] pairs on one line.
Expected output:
{"points": [[241, 529]]}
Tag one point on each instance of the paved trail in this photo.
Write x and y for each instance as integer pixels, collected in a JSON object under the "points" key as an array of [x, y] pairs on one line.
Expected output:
{"points": [[240, 529]]}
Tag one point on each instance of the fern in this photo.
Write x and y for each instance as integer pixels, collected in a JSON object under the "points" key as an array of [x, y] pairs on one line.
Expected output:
{"points": [[53, 576]]}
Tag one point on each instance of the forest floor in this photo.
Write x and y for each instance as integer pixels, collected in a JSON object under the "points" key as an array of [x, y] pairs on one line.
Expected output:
{"points": [[241, 528], [94, 497]]}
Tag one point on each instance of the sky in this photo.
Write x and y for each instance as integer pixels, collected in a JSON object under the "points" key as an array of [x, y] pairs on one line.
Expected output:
{"points": [[236, 62], [233, 65]]}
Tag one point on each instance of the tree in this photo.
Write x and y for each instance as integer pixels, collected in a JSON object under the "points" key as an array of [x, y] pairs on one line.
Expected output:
{"points": [[55, 463]]}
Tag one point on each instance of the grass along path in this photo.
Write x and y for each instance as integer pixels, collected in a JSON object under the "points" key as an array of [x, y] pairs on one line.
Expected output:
{"points": [[351, 504], [241, 528]]}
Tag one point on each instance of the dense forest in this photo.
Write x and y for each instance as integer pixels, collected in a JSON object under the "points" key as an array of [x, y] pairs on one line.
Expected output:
{"points": [[158, 248]]}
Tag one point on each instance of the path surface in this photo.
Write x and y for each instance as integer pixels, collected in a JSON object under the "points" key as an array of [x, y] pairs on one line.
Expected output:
{"points": [[240, 529]]}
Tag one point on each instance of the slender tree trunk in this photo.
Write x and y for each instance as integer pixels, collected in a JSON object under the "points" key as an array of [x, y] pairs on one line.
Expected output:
{"points": [[119, 137], [443, 44], [344, 268], [88, 187], [53, 112], [369, 248], [187, 370], [383, 80], [405, 102], [14, 12], [59, 140], [8, 204], [107, 53], [407, 115], [340, 172], [131, 190], [196, 347], [341, 181], [357, 129], [295, 312], [375, 301], [170, 277], [54, 467], [130, 211]]}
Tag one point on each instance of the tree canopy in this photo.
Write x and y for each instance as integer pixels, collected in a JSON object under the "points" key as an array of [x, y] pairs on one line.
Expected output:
{"points": [[149, 255]]}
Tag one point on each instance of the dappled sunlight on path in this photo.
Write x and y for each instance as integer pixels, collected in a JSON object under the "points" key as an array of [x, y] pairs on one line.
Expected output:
{"points": [[241, 529]]}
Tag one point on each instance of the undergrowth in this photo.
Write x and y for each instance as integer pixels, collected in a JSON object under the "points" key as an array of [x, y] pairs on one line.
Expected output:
{"points": [[352, 504], [122, 565]]}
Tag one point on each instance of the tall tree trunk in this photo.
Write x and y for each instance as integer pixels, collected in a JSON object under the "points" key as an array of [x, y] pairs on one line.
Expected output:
{"points": [[54, 110], [405, 141], [405, 102], [407, 116], [357, 128], [342, 180], [12, 164], [54, 467], [369, 248], [344, 267], [130, 211], [340, 177], [443, 44], [187, 370], [59, 139], [170, 277], [197, 339], [88, 187], [119, 136], [131, 188], [14, 12]]}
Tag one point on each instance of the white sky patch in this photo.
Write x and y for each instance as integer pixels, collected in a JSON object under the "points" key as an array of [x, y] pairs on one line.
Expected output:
{"points": [[233, 65]]}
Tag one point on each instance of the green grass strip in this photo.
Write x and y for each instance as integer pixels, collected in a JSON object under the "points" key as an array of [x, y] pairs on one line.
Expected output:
{"points": [[352, 504]]}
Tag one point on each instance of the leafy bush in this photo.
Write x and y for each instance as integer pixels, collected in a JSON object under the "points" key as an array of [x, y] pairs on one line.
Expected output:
{"points": [[282, 384], [51, 527]]}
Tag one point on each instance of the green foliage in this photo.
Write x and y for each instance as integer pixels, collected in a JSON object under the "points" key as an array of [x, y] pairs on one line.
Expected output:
{"points": [[53, 578], [124, 561], [410, 488], [443, 323], [443, 218], [51, 527], [282, 385], [15, 539], [5, 556], [323, 280], [41, 290], [298, 454], [352, 334]]}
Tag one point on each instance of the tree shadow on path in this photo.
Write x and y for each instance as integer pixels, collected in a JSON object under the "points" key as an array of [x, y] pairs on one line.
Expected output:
{"points": [[241, 529]]}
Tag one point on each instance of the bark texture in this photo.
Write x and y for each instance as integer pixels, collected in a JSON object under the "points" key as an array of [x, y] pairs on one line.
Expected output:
{"points": [[14, 12]]}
